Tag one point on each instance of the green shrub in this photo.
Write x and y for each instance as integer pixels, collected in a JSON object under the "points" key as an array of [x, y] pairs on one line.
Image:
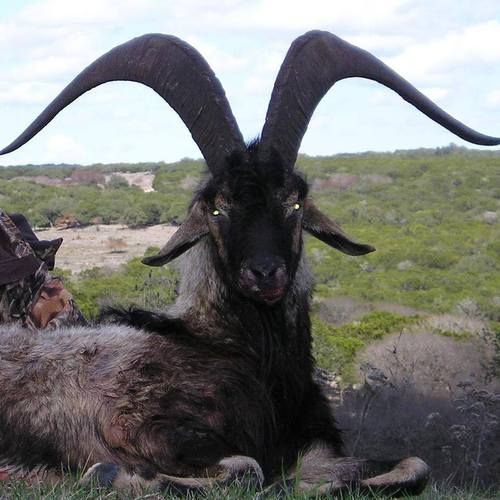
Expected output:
{"points": [[335, 348], [132, 284]]}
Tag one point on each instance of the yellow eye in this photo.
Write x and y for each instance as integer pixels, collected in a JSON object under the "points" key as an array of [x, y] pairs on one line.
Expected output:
{"points": [[296, 206], [215, 212]]}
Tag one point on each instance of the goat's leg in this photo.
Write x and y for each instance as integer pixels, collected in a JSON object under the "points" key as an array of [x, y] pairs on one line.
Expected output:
{"points": [[30, 475], [320, 472], [239, 469]]}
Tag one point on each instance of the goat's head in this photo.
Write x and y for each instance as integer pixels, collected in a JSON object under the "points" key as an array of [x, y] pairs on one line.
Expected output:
{"points": [[253, 206], [254, 212]]}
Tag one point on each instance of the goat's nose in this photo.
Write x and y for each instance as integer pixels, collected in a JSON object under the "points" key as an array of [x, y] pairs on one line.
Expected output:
{"points": [[265, 269]]}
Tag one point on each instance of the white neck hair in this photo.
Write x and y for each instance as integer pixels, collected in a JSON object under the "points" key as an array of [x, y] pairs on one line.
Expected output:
{"points": [[201, 287]]}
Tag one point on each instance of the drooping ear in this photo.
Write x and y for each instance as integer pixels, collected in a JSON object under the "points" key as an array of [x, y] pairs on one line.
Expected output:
{"points": [[189, 233], [325, 229]]}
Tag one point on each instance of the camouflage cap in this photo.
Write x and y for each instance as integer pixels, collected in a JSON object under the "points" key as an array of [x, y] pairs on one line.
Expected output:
{"points": [[17, 258]]}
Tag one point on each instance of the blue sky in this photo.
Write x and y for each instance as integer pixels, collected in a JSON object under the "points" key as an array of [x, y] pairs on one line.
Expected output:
{"points": [[450, 49]]}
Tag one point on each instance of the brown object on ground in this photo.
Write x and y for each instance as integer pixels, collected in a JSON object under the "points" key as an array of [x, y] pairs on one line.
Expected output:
{"points": [[53, 300]]}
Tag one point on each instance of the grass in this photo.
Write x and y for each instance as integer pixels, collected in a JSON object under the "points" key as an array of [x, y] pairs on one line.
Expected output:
{"points": [[69, 489]]}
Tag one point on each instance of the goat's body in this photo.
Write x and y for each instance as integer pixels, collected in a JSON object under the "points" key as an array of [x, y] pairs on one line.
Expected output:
{"points": [[227, 372], [174, 399]]}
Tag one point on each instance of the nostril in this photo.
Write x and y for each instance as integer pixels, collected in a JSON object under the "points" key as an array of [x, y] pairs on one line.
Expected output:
{"points": [[259, 273], [264, 276], [264, 270], [272, 272]]}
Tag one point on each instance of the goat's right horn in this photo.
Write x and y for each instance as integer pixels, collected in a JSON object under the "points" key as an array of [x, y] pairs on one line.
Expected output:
{"points": [[314, 62], [178, 73]]}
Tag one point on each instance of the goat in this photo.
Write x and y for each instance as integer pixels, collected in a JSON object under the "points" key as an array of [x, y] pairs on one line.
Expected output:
{"points": [[220, 386]]}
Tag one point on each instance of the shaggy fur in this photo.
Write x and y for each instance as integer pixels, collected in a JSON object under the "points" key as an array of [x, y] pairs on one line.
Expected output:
{"points": [[169, 397], [219, 386]]}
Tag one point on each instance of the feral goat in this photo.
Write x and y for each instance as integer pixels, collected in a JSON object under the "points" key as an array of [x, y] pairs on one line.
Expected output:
{"points": [[220, 385]]}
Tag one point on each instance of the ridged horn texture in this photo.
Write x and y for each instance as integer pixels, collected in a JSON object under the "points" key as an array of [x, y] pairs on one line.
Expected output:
{"points": [[314, 62], [178, 73]]}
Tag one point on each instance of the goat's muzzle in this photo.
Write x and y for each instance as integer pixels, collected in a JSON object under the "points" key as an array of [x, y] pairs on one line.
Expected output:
{"points": [[264, 280]]}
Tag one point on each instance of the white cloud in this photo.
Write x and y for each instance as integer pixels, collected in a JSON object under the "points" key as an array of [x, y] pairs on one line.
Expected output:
{"points": [[27, 92], [47, 42], [291, 15], [220, 59], [379, 42], [432, 60], [436, 93], [493, 99], [256, 85], [64, 147], [55, 12]]}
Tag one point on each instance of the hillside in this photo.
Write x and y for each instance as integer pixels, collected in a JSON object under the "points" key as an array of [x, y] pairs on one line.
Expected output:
{"points": [[408, 337], [433, 215]]}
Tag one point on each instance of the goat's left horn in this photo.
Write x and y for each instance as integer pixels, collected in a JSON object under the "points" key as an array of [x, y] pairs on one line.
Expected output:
{"points": [[178, 73], [314, 62]]}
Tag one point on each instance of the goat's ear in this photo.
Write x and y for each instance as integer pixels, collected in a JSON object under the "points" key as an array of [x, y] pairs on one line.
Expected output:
{"points": [[325, 229], [189, 233]]}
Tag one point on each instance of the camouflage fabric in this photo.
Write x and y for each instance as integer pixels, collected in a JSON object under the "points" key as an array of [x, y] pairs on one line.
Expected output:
{"points": [[28, 293], [17, 259], [44, 250]]}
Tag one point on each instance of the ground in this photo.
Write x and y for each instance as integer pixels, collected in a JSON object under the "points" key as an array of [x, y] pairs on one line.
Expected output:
{"points": [[104, 246]]}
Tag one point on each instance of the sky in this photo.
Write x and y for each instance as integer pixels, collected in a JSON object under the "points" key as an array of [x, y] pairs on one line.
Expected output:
{"points": [[449, 49]]}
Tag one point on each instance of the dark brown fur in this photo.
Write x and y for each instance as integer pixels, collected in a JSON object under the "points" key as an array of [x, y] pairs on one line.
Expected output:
{"points": [[162, 397], [221, 384]]}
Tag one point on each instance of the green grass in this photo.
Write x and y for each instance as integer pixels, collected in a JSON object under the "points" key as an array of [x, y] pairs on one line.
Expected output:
{"points": [[133, 284], [69, 489]]}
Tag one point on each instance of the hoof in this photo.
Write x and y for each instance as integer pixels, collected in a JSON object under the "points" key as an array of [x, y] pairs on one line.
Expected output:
{"points": [[100, 475], [242, 469]]}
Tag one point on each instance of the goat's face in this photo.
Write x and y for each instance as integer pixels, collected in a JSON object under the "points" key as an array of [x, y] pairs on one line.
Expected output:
{"points": [[254, 215], [254, 219]]}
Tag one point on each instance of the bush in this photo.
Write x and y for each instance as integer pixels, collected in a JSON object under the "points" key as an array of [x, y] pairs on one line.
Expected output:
{"points": [[457, 435], [335, 348], [133, 284]]}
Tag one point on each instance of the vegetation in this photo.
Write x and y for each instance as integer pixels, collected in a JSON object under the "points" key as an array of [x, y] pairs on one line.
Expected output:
{"points": [[85, 198], [335, 348], [133, 284], [434, 217], [70, 490]]}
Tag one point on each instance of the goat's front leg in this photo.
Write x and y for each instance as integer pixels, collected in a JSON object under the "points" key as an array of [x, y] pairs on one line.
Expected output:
{"points": [[321, 472], [235, 469], [33, 475]]}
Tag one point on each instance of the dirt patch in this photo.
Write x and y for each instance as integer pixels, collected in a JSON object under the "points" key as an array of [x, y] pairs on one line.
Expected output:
{"points": [[104, 246], [142, 180], [434, 363]]}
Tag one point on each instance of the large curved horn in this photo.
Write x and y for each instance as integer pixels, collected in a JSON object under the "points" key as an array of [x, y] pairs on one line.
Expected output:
{"points": [[314, 62], [178, 73]]}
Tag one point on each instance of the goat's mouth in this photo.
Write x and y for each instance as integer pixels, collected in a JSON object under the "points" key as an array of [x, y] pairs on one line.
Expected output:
{"points": [[265, 295], [268, 295], [268, 288], [271, 295]]}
